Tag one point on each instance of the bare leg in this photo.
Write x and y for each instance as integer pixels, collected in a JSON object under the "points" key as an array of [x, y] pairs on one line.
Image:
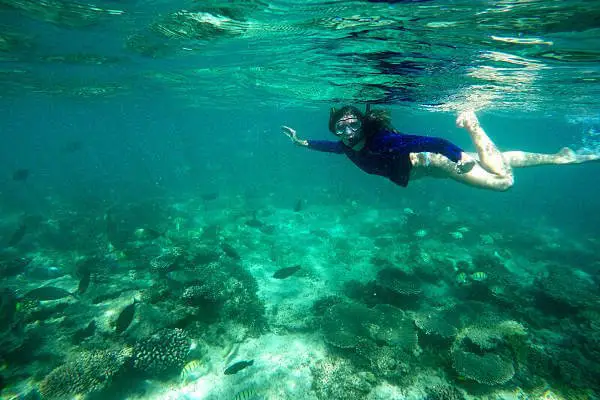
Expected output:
{"points": [[490, 158], [491, 169], [520, 159], [439, 166]]}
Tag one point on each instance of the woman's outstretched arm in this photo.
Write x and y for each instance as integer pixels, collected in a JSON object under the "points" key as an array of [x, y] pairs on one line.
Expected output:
{"points": [[327, 146]]}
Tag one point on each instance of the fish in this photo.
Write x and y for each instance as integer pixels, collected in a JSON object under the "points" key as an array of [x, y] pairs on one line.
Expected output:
{"points": [[84, 282], [230, 251], [267, 229], [20, 175], [147, 234], [237, 367], [299, 205], [479, 276], [125, 317], [283, 273], [247, 394], [47, 293], [210, 196], [83, 333], [191, 370], [18, 234], [255, 222]]}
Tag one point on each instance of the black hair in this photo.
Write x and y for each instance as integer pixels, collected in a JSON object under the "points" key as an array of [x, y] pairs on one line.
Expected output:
{"points": [[372, 121]]}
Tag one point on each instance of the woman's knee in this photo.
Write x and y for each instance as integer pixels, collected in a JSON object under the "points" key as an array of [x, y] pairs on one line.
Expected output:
{"points": [[505, 183]]}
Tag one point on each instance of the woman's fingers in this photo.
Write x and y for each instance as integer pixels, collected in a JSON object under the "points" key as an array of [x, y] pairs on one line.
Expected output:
{"points": [[291, 133]]}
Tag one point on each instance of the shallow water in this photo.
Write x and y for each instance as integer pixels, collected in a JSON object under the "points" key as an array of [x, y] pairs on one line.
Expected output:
{"points": [[150, 131]]}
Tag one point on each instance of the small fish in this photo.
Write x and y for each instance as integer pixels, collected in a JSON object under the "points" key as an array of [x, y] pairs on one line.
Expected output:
{"points": [[421, 233], [283, 273], [457, 235], [210, 196], [479, 276], [230, 251], [147, 234], [267, 229], [247, 394], [84, 282], [20, 174], [192, 370], [125, 318], [299, 205], [83, 333], [17, 235], [237, 367], [255, 222], [47, 293]]}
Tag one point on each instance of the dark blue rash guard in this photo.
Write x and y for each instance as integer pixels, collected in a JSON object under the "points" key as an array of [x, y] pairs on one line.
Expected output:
{"points": [[387, 153]]}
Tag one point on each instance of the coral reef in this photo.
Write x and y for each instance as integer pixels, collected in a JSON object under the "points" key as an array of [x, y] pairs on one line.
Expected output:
{"points": [[485, 353], [87, 373], [444, 392], [337, 379], [161, 354], [488, 369], [382, 337]]}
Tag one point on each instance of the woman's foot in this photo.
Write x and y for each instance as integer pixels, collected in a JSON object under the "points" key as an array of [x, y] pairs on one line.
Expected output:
{"points": [[566, 155], [467, 119]]}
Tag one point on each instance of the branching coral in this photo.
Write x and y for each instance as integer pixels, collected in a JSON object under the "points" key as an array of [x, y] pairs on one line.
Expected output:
{"points": [[88, 373]]}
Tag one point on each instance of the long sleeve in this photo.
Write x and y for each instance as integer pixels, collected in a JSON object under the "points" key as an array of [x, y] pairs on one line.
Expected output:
{"points": [[418, 144], [326, 146], [404, 144]]}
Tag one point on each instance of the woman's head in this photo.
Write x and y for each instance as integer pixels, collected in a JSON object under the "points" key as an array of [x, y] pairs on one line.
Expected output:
{"points": [[351, 125], [347, 124]]}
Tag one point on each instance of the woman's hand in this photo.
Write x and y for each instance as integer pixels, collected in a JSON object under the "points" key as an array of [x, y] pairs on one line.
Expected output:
{"points": [[291, 133]]}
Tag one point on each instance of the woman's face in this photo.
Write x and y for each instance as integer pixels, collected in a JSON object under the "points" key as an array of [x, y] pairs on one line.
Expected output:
{"points": [[349, 129]]}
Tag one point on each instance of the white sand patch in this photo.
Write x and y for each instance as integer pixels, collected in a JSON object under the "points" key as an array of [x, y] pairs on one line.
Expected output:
{"points": [[281, 370]]}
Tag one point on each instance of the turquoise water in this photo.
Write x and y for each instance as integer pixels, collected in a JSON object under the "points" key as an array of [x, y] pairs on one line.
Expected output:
{"points": [[142, 158]]}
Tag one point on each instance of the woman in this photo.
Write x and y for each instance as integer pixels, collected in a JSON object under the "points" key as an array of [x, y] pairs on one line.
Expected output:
{"points": [[376, 147]]}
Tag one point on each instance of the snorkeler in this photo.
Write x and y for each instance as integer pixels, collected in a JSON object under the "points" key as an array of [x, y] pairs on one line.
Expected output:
{"points": [[370, 141]]}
